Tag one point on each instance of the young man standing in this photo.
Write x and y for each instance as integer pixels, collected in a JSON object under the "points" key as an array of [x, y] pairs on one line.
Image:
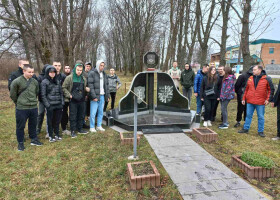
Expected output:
{"points": [[187, 80], [221, 73], [19, 72], [276, 103], [197, 83], [87, 101], [258, 93], [24, 92], [99, 92], [65, 118], [60, 76], [114, 85], [175, 74], [74, 88], [52, 97], [239, 89]]}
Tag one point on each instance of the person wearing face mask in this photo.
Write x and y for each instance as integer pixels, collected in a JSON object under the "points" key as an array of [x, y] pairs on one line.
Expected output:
{"points": [[53, 100]]}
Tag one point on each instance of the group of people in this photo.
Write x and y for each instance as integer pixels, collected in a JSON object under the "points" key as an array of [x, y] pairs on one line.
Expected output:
{"points": [[212, 86], [83, 91]]}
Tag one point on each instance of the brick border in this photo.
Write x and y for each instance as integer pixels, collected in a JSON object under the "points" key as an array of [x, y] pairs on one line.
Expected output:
{"points": [[203, 137], [138, 182], [252, 172], [125, 141]]}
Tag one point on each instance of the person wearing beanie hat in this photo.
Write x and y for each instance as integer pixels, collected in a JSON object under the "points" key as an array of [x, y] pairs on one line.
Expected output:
{"points": [[74, 88], [99, 92], [53, 100]]}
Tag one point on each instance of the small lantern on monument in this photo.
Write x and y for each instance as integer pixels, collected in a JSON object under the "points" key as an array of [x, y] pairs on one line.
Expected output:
{"points": [[151, 60]]}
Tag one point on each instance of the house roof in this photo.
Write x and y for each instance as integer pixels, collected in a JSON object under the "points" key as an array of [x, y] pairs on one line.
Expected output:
{"points": [[261, 41]]}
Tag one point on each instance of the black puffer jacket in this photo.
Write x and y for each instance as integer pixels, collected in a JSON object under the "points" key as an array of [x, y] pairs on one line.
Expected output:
{"points": [[40, 78], [94, 85], [241, 82], [51, 90]]}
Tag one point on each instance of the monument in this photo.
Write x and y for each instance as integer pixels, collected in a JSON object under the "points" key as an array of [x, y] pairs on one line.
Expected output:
{"points": [[161, 107]]}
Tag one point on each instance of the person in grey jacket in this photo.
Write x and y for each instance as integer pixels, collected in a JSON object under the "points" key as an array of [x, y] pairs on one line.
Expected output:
{"points": [[99, 92], [53, 100], [114, 85]]}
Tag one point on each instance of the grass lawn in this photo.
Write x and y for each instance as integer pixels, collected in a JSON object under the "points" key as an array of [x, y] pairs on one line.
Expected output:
{"points": [[91, 166], [94, 166]]}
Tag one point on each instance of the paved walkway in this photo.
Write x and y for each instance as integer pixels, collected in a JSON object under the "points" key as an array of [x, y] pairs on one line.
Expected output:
{"points": [[197, 174]]}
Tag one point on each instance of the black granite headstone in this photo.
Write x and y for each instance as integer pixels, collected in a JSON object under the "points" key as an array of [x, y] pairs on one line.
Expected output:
{"points": [[168, 97], [140, 89]]}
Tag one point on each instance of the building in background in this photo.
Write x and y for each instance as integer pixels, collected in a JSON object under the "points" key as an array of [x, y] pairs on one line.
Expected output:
{"points": [[265, 52]]}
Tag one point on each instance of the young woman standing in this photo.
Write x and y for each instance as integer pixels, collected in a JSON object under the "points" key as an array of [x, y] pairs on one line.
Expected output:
{"points": [[209, 94]]}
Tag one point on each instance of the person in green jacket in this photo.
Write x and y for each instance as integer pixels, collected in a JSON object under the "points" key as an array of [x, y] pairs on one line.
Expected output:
{"points": [[24, 92], [187, 81]]}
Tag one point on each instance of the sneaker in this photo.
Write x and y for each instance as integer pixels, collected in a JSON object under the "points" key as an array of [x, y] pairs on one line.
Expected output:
{"points": [[100, 128], [73, 134], [83, 132], [47, 136], [243, 131], [66, 132], [236, 125], [92, 130], [276, 138], [36, 142], [21, 146], [261, 134], [57, 138], [52, 139], [209, 123], [205, 123], [223, 126]]}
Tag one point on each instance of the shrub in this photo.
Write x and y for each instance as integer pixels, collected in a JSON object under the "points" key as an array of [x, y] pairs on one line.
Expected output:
{"points": [[257, 160]]}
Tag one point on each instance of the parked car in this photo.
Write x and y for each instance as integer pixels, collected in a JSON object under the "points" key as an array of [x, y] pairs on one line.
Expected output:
{"points": [[240, 69]]}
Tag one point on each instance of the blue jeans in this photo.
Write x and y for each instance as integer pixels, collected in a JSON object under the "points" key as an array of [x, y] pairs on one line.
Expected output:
{"points": [[198, 104], [250, 111], [96, 106]]}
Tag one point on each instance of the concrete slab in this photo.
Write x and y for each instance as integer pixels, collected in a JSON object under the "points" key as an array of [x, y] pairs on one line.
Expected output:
{"points": [[197, 174]]}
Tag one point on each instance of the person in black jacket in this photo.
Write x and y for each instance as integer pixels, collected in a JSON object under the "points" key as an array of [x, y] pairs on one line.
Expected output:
{"points": [[53, 100], [99, 92], [19, 72], [60, 76], [276, 103], [221, 73], [41, 110], [209, 94], [239, 89]]}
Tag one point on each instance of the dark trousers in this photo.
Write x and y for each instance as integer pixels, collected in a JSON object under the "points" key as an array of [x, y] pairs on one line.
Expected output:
{"points": [[64, 119], [53, 121], [240, 109], [215, 109], [76, 115], [87, 108], [209, 109], [113, 97], [278, 121], [40, 118], [21, 119]]}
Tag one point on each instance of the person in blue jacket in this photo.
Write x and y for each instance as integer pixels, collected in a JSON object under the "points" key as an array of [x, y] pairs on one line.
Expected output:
{"points": [[197, 83]]}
